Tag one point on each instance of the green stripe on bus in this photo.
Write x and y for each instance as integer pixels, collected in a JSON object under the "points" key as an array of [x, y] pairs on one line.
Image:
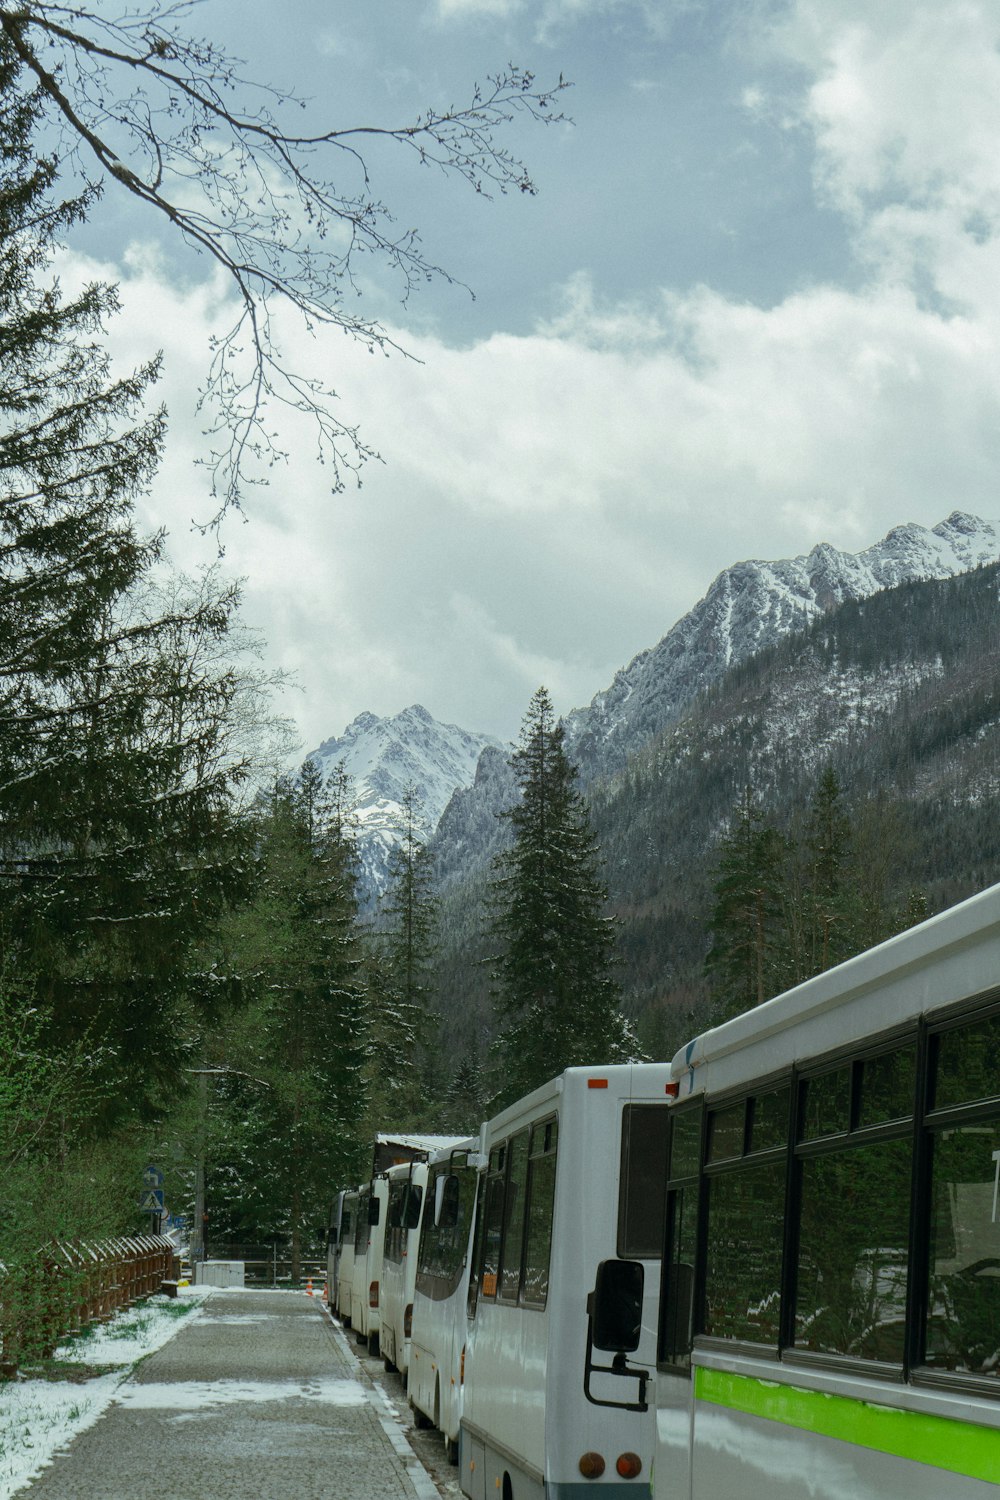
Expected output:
{"points": [[959, 1447]]}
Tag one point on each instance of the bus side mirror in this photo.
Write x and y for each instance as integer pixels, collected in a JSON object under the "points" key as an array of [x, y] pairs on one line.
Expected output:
{"points": [[616, 1306], [373, 1210]]}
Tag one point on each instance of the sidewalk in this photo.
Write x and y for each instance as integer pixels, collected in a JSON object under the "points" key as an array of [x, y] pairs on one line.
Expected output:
{"points": [[257, 1398]]}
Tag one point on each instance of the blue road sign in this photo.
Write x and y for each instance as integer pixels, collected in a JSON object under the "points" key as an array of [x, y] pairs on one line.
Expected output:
{"points": [[151, 1201], [152, 1177]]}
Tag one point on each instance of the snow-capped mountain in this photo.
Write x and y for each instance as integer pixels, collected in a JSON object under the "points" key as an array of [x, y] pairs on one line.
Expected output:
{"points": [[383, 758], [750, 606]]}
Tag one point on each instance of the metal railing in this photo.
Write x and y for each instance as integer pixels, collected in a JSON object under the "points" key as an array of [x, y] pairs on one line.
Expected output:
{"points": [[271, 1265], [69, 1286]]}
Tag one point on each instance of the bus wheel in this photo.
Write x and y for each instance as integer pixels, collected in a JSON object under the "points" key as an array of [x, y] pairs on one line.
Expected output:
{"points": [[362, 1338], [388, 1362], [451, 1450], [421, 1419], [372, 1345]]}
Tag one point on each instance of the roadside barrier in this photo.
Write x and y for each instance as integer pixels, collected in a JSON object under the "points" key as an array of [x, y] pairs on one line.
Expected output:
{"points": [[68, 1286]]}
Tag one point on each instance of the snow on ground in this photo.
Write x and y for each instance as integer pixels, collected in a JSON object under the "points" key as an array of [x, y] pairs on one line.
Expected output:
{"points": [[196, 1395], [39, 1417]]}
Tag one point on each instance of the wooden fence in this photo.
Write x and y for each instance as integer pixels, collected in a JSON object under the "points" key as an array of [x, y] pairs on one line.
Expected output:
{"points": [[69, 1286]]}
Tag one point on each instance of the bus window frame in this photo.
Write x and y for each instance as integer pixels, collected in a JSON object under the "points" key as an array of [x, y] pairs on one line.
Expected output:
{"points": [[919, 1127]]}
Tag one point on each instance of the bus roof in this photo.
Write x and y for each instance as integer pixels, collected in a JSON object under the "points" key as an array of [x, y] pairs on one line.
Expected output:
{"points": [[950, 957]]}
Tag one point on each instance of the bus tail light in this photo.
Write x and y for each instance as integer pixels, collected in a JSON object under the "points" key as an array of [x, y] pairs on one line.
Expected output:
{"points": [[461, 1368], [373, 1294], [408, 1321], [629, 1465], [592, 1466]]}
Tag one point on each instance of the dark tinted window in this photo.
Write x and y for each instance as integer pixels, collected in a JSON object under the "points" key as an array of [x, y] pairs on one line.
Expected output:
{"points": [[513, 1227], [678, 1281], [968, 1064], [443, 1246], [685, 1142], [887, 1087], [492, 1226], [725, 1132], [853, 1235], [746, 1214], [827, 1102], [541, 1203], [963, 1329], [643, 1180], [361, 1226], [769, 1117]]}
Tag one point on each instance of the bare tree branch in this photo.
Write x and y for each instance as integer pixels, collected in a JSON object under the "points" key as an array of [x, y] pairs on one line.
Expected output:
{"points": [[286, 215]]}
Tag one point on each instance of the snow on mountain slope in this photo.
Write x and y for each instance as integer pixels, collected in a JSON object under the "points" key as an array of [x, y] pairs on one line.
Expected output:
{"points": [[384, 757], [750, 606]]}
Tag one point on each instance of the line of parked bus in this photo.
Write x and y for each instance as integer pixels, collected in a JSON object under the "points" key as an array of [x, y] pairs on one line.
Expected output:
{"points": [[769, 1269]]}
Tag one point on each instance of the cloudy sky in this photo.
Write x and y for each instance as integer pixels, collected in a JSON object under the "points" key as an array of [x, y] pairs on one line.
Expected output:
{"points": [[754, 306]]}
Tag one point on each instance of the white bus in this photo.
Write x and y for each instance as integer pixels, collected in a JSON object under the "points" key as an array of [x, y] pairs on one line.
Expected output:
{"points": [[572, 1177], [404, 1207], [340, 1252], [440, 1297], [830, 1312], [368, 1242]]}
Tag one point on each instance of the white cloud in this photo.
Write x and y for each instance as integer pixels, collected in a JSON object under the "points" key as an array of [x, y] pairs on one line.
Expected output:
{"points": [[550, 504], [904, 104]]}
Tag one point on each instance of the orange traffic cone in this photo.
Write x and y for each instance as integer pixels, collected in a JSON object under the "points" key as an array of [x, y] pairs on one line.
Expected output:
{"points": [[325, 1292], [309, 1288]]}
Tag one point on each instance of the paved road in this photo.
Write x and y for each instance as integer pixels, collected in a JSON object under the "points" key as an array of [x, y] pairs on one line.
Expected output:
{"points": [[258, 1398]]}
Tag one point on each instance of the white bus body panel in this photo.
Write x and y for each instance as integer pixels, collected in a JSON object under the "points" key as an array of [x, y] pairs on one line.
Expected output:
{"points": [[344, 1305], [434, 1383], [707, 1451], [334, 1248], [525, 1415], [399, 1277], [368, 1268]]}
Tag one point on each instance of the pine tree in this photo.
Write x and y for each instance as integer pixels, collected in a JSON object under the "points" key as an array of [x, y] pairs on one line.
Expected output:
{"points": [[301, 1045], [555, 999], [747, 962], [831, 885], [117, 846], [409, 912]]}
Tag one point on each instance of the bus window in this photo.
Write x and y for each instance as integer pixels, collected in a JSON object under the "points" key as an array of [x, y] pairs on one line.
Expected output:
{"points": [[727, 1132], [541, 1200], [477, 1242], [361, 1226], [492, 1222], [887, 1087], [395, 1233], [769, 1119], [681, 1243], [643, 1181], [853, 1237], [963, 1305], [746, 1219], [677, 1303], [968, 1064], [513, 1228], [963, 1327], [827, 1104]]}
